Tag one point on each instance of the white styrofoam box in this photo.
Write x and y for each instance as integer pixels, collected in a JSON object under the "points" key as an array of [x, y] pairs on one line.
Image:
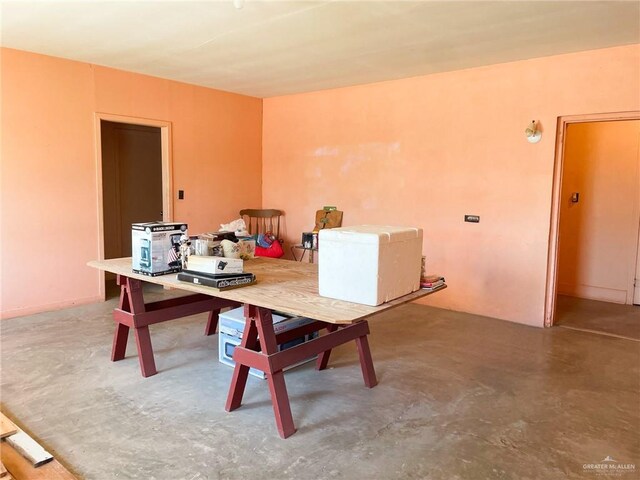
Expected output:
{"points": [[208, 264], [231, 326], [369, 264], [155, 247]]}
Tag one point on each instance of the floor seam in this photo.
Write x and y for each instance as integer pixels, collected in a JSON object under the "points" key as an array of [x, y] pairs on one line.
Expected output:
{"points": [[598, 332]]}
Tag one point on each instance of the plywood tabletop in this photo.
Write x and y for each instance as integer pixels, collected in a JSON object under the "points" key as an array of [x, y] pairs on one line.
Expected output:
{"points": [[282, 285]]}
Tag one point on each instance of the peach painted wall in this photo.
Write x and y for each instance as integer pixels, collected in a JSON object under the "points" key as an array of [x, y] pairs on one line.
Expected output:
{"points": [[599, 234], [49, 197], [425, 151]]}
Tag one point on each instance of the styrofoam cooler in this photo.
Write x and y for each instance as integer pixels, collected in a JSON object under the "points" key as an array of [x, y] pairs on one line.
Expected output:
{"points": [[369, 264]]}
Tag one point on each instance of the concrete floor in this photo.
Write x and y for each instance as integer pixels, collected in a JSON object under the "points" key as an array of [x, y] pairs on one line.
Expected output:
{"points": [[601, 317], [460, 397]]}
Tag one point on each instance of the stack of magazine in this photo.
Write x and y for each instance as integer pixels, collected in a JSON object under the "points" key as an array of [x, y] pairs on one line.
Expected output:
{"points": [[432, 282], [222, 281]]}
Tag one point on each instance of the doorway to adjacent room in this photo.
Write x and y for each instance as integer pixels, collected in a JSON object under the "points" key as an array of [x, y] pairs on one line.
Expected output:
{"points": [[597, 237], [133, 158]]}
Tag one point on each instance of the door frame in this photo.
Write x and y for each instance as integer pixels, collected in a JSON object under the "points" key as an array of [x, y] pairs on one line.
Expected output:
{"points": [[167, 173], [554, 230]]}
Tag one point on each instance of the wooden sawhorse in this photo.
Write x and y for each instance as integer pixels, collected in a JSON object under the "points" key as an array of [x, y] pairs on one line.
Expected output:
{"points": [[259, 349], [132, 312]]}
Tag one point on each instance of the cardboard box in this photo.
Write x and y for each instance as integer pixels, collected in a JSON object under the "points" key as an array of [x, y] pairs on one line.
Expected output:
{"points": [[214, 264], [155, 247], [231, 326], [369, 264]]}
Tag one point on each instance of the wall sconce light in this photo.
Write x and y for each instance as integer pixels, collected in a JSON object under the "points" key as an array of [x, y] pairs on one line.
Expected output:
{"points": [[533, 133]]}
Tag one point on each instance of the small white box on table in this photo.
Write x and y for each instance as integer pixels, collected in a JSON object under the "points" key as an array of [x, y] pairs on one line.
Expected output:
{"points": [[207, 264], [369, 264], [231, 326]]}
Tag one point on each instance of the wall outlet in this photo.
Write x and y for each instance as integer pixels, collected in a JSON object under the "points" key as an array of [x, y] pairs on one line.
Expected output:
{"points": [[472, 218]]}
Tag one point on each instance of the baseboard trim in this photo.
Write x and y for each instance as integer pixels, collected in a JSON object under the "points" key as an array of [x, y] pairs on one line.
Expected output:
{"points": [[21, 312], [593, 293]]}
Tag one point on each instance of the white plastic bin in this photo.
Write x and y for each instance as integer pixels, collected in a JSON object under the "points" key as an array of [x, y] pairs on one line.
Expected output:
{"points": [[231, 326]]}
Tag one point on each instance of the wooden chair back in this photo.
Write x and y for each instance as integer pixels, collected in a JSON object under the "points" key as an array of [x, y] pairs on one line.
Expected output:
{"points": [[262, 220]]}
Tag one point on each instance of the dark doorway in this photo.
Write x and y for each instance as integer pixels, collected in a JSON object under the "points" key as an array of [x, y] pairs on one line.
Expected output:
{"points": [[131, 184]]}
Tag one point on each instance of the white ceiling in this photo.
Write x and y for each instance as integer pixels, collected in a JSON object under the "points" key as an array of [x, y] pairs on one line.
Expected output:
{"points": [[271, 48]]}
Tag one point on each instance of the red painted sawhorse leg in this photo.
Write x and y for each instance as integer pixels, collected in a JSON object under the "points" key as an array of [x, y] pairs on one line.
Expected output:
{"points": [[212, 322], [241, 372], [272, 362], [132, 312], [323, 358], [364, 353]]}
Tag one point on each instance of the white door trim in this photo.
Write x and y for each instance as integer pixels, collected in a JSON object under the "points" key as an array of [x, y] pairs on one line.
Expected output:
{"points": [[552, 256], [167, 173]]}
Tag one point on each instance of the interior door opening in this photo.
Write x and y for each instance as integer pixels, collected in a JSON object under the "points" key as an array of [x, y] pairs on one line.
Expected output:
{"points": [[598, 235], [134, 177]]}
